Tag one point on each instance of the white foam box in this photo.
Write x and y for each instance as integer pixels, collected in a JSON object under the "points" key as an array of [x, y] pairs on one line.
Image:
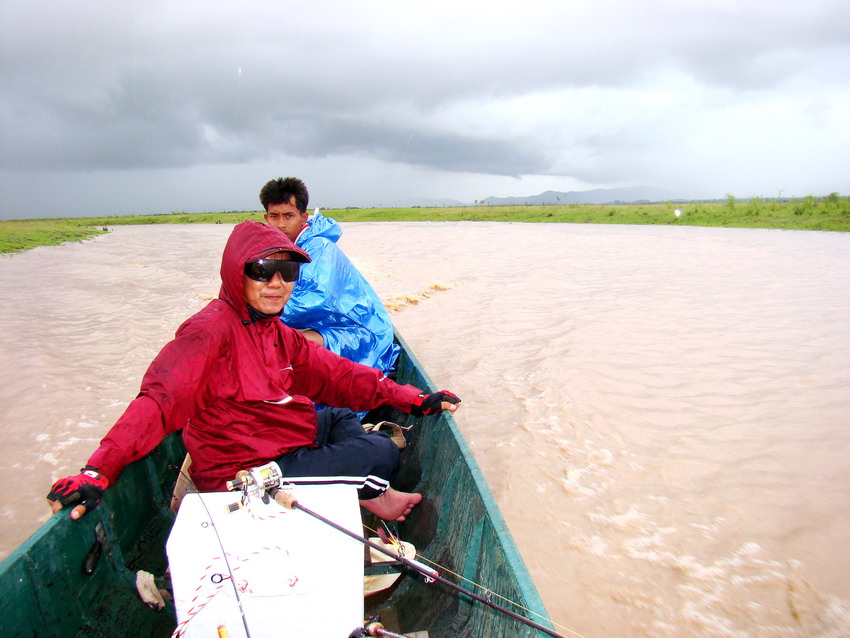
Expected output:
{"points": [[295, 575]]}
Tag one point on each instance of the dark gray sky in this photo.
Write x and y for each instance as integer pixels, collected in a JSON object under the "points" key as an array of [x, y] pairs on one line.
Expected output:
{"points": [[151, 106]]}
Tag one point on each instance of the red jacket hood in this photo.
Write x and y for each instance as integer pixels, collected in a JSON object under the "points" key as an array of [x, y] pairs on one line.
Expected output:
{"points": [[249, 242]]}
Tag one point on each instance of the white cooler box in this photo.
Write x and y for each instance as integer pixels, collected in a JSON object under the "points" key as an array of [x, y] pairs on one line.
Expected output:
{"points": [[296, 575]]}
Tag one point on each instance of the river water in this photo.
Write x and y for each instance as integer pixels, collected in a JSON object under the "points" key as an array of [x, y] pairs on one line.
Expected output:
{"points": [[661, 412]]}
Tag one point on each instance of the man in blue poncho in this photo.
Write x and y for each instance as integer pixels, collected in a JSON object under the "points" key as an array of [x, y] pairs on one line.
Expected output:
{"points": [[332, 303]]}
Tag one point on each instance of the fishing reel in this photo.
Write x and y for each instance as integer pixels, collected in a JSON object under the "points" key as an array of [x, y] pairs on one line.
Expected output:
{"points": [[258, 481]]}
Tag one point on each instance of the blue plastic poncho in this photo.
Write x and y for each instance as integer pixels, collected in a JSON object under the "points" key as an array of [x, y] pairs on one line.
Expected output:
{"points": [[334, 299]]}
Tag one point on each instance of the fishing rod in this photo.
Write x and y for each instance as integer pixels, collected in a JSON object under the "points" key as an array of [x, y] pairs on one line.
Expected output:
{"points": [[266, 481]]}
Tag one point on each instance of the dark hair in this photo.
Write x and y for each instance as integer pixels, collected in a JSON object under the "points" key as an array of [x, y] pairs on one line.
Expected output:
{"points": [[281, 191]]}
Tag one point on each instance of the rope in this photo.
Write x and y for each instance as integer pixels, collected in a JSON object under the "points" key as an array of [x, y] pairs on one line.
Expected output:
{"points": [[181, 628]]}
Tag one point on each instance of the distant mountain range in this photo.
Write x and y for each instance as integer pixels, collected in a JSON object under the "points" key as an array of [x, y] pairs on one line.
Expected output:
{"points": [[637, 194], [595, 196]]}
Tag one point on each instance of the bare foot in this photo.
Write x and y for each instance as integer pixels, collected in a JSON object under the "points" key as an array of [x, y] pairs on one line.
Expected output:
{"points": [[392, 505]]}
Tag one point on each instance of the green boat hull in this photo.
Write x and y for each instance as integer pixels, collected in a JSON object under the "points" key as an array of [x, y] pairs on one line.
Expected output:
{"points": [[77, 578]]}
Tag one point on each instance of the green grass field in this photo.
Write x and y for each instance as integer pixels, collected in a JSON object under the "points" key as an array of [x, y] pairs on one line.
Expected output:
{"points": [[831, 213]]}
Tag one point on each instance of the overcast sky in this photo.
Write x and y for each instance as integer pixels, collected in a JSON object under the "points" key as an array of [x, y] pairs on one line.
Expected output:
{"points": [[151, 106]]}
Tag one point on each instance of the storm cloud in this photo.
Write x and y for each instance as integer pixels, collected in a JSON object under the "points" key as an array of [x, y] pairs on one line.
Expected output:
{"points": [[156, 106]]}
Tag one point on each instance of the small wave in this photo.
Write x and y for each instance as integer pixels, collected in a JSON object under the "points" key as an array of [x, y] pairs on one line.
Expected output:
{"points": [[48, 458], [398, 302]]}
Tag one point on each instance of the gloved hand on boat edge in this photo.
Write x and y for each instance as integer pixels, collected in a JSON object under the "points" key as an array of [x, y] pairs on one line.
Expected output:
{"points": [[84, 491], [434, 403]]}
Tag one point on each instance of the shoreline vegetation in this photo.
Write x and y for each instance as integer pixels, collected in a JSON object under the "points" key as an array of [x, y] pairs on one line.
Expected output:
{"points": [[830, 213]]}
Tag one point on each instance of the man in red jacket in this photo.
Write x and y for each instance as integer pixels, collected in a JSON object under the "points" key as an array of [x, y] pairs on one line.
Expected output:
{"points": [[241, 386]]}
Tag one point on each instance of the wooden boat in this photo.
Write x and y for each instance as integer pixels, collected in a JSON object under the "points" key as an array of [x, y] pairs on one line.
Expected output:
{"points": [[78, 578]]}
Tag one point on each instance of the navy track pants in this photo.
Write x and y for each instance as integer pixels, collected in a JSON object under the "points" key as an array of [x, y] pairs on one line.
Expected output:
{"points": [[346, 454]]}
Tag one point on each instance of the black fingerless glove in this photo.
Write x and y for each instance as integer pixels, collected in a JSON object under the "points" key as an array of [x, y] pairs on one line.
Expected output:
{"points": [[86, 489], [432, 403]]}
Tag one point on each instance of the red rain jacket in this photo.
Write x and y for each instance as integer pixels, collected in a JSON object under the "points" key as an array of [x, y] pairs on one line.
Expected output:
{"points": [[241, 391]]}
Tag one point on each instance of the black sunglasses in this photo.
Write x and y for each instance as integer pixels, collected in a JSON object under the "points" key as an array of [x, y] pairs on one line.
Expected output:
{"points": [[264, 269]]}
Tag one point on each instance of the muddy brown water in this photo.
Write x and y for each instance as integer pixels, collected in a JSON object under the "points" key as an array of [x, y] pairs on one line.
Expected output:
{"points": [[661, 412]]}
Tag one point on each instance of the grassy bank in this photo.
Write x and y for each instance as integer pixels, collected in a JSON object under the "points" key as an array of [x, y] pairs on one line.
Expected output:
{"points": [[810, 213]]}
